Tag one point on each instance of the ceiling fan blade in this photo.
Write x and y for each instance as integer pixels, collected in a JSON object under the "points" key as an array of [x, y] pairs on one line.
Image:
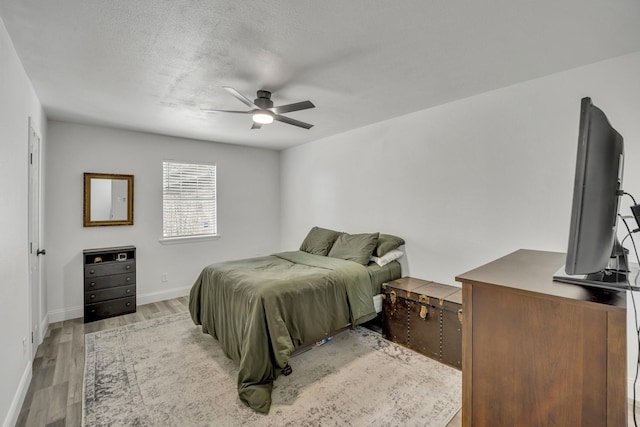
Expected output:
{"points": [[256, 125], [291, 121], [241, 97], [297, 106], [225, 111]]}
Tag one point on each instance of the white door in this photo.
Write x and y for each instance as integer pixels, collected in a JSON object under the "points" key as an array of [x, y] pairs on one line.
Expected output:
{"points": [[35, 288]]}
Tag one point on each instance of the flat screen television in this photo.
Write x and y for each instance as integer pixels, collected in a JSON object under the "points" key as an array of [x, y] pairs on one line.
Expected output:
{"points": [[594, 255]]}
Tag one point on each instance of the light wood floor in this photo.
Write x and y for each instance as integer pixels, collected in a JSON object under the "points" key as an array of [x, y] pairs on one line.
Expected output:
{"points": [[54, 398]]}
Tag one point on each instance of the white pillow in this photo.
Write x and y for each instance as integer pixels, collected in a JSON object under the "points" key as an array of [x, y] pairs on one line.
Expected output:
{"points": [[387, 258]]}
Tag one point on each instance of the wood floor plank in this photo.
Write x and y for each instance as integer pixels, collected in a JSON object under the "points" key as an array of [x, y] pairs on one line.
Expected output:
{"points": [[174, 306], [74, 415], [135, 317], [22, 417], [64, 360], [39, 408], [77, 344], [92, 327], [67, 331], [113, 322], [51, 354], [76, 367], [36, 417], [28, 398], [74, 391], [150, 309], [57, 405], [43, 377], [57, 423]]}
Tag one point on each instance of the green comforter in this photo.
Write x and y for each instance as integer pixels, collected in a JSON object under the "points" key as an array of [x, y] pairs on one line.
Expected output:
{"points": [[262, 309]]}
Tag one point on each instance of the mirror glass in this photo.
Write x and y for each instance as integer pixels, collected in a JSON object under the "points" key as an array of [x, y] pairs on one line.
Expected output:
{"points": [[108, 199]]}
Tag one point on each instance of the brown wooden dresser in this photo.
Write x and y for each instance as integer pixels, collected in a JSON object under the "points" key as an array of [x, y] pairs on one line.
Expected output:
{"points": [[424, 316], [538, 352], [109, 282]]}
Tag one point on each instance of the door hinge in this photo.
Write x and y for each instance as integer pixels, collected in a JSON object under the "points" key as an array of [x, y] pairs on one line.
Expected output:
{"points": [[31, 337], [30, 158], [30, 247]]}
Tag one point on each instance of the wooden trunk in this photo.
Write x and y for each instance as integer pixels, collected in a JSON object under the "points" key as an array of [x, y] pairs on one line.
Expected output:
{"points": [[424, 316], [452, 330]]}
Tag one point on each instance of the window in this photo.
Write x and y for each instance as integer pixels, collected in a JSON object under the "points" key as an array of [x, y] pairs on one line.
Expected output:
{"points": [[188, 199]]}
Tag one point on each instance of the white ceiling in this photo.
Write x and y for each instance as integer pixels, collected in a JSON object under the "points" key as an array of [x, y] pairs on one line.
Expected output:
{"points": [[151, 65]]}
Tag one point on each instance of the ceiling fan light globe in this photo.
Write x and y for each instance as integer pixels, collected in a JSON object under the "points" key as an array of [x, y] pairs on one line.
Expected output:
{"points": [[263, 118]]}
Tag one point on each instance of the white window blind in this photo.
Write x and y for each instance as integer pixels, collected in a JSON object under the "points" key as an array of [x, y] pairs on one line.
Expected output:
{"points": [[188, 199]]}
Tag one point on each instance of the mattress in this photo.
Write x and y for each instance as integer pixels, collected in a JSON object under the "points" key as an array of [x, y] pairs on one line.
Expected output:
{"points": [[380, 275]]}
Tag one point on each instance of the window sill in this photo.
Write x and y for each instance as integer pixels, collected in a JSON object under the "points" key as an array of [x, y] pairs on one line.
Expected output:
{"points": [[189, 239]]}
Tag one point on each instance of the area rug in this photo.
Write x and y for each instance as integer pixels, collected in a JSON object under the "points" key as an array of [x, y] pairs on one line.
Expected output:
{"points": [[166, 372]]}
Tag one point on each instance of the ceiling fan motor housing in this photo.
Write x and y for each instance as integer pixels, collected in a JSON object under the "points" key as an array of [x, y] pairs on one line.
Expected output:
{"points": [[264, 99]]}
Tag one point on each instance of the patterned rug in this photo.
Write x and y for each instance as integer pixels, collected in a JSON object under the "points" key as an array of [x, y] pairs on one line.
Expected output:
{"points": [[166, 372]]}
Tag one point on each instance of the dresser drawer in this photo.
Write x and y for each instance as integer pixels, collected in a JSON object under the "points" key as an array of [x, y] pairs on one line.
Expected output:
{"points": [[111, 308], [109, 293], [108, 268], [100, 282]]}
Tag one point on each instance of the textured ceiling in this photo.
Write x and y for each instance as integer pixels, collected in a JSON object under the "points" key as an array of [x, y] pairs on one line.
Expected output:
{"points": [[151, 65]]}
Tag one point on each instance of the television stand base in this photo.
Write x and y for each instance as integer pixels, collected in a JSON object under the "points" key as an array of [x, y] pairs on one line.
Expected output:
{"points": [[613, 281]]}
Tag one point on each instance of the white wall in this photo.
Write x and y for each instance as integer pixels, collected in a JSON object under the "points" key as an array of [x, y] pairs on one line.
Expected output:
{"points": [[248, 209], [18, 102], [466, 182]]}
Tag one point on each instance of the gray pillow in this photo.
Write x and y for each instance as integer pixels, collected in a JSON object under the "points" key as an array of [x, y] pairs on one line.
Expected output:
{"points": [[319, 241], [354, 247], [386, 243]]}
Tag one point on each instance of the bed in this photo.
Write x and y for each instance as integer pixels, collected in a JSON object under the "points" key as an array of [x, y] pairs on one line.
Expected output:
{"points": [[263, 309]]}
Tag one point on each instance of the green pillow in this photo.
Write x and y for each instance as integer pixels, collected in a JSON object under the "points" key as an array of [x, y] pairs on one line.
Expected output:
{"points": [[354, 247], [386, 243], [319, 241]]}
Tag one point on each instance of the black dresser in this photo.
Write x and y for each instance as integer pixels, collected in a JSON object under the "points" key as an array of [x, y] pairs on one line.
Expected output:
{"points": [[109, 282]]}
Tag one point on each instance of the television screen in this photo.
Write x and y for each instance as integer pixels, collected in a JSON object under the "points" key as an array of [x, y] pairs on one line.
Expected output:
{"points": [[594, 256]]}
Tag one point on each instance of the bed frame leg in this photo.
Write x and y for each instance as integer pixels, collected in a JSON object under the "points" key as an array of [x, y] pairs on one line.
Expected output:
{"points": [[286, 371]]}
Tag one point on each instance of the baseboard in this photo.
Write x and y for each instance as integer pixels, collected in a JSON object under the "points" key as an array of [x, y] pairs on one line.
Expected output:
{"points": [[75, 312], [14, 410], [163, 295], [65, 314], [44, 324]]}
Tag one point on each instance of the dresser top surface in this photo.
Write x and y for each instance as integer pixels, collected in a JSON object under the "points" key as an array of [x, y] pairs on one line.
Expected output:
{"points": [[111, 249], [532, 271]]}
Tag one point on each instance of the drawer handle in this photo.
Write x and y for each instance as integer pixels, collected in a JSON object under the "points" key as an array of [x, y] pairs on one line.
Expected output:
{"points": [[128, 267], [92, 296], [92, 271], [92, 284], [129, 304], [93, 310], [128, 279], [128, 291]]}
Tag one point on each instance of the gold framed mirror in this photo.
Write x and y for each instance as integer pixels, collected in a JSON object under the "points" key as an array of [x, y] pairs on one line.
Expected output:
{"points": [[108, 199]]}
